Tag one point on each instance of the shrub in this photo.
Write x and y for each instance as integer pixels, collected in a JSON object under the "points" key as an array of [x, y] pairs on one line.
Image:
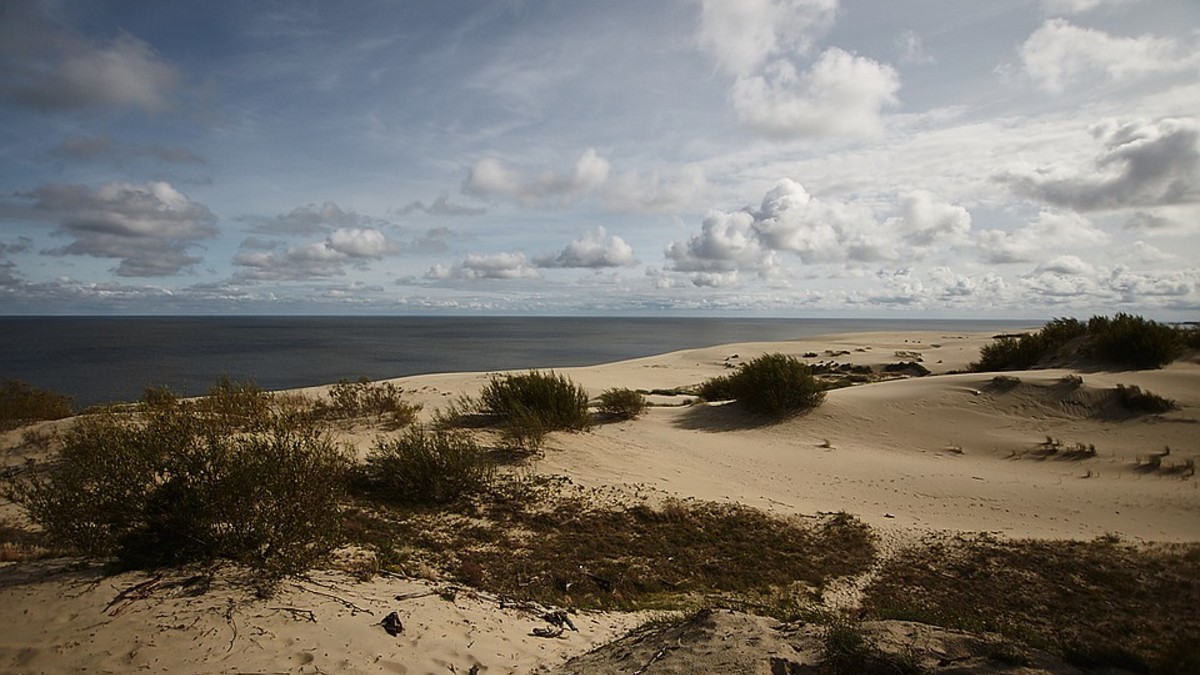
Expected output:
{"points": [[237, 405], [772, 384], [428, 466], [1005, 382], [172, 489], [1123, 340], [719, 388], [21, 404], [531, 405], [622, 404], [159, 398], [363, 398], [1133, 341], [1138, 401]]}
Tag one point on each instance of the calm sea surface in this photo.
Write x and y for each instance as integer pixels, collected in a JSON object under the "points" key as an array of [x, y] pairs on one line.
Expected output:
{"points": [[104, 359]]}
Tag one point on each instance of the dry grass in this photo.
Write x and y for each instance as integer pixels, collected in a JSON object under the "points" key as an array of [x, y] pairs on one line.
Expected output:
{"points": [[1097, 603], [543, 540]]}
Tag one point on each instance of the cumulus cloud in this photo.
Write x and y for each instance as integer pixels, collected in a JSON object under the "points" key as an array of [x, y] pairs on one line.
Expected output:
{"points": [[313, 219], [486, 266], [491, 177], [1142, 164], [441, 206], [926, 221], [841, 93], [596, 249], [727, 242], [149, 227], [328, 258], [817, 231], [1060, 54], [742, 35], [1048, 232], [45, 66], [1148, 253]]}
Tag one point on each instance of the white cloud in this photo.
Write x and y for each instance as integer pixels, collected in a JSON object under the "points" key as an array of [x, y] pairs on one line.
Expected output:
{"points": [[321, 259], [1047, 232], [742, 35], [1142, 164], [1060, 54], [727, 242], [841, 93], [925, 221], [819, 231], [594, 250], [149, 227], [492, 177], [1067, 265], [486, 266]]}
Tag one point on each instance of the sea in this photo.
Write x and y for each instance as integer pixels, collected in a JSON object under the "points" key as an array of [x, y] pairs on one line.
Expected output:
{"points": [[98, 360]]}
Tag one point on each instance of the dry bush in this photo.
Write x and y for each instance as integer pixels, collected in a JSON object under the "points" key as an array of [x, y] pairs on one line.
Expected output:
{"points": [[22, 404], [530, 405], [428, 466], [169, 487], [363, 398], [1138, 401], [622, 404]]}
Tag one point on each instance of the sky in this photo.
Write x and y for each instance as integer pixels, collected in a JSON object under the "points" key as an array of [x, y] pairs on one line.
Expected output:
{"points": [[791, 158]]}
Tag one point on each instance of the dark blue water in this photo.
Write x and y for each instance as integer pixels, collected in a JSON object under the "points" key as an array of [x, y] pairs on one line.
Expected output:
{"points": [[105, 359]]}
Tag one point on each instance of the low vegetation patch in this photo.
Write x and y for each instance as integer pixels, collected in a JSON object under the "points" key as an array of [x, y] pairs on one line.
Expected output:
{"points": [[542, 540], [382, 401], [22, 404], [1143, 402], [169, 486], [427, 466], [1098, 603], [622, 404], [236, 405], [774, 385], [848, 651], [1123, 340], [530, 405]]}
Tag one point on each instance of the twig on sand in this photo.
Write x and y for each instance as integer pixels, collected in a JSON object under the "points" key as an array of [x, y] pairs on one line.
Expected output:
{"points": [[297, 611], [126, 597], [346, 603]]}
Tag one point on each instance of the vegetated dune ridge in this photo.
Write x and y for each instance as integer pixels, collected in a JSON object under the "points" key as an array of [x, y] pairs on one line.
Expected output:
{"points": [[941, 453]]}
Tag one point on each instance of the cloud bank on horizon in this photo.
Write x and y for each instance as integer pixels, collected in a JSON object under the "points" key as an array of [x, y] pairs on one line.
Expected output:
{"points": [[761, 157]]}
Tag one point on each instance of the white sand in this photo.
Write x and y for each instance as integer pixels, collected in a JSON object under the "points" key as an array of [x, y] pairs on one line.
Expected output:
{"points": [[947, 452]]}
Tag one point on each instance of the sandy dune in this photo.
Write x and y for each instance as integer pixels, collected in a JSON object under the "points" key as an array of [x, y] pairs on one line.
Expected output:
{"points": [[944, 452]]}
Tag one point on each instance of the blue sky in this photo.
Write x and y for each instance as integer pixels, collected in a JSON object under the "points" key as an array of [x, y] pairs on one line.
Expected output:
{"points": [[952, 158]]}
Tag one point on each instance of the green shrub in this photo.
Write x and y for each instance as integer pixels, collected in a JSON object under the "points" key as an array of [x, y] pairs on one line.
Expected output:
{"points": [[1138, 401], [772, 384], [363, 398], [1123, 340], [428, 466], [236, 405], [530, 405], [719, 388], [1133, 341], [622, 404], [21, 404], [171, 488]]}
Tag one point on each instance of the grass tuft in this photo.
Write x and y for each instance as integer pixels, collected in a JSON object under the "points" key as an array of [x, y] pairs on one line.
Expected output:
{"points": [[530, 405], [622, 404]]}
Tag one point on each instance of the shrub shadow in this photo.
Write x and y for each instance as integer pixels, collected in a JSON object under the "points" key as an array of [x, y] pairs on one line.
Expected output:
{"points": [[725, 417]]}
